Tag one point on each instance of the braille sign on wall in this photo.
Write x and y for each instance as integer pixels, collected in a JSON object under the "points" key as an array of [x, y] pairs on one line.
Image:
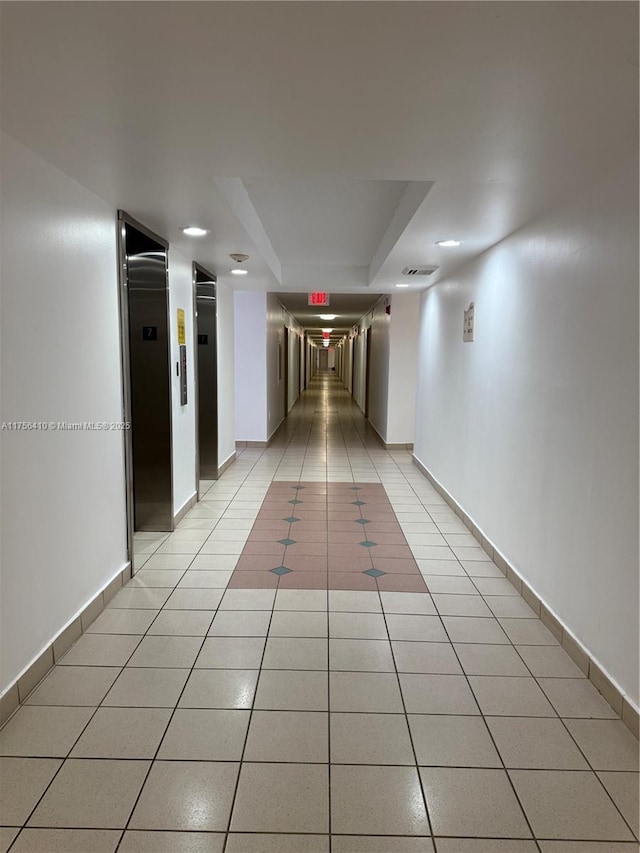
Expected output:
{"points": [[149, 333], [318, 298], [468, 326]]}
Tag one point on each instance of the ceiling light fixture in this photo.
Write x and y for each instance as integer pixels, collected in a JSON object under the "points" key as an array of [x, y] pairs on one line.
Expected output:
{"points": [[448, 244], [402, 285], [239, 258], [327, 330], [327, 316], [194, 231]]}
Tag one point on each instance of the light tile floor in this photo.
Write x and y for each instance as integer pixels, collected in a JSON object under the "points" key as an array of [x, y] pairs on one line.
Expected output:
{"points": [[217, 706]]}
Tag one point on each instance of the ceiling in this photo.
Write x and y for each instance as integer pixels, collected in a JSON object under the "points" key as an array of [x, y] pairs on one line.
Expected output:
{"points": [[334, 143], [348, 308]]}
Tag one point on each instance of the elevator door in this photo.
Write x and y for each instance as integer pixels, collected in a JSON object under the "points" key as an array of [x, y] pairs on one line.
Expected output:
{"points": [[146, 327], [206, 318]]}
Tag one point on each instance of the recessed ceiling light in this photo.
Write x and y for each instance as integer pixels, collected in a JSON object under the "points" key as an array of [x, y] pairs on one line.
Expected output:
{"points": [[237, 271], [448, 244], [402, 285], [194, 231], [325, 343], [327, 330], [328, 316]]}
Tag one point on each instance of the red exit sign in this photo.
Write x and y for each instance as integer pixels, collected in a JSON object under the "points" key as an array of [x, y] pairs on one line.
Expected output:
{"points": [[318, 298]]}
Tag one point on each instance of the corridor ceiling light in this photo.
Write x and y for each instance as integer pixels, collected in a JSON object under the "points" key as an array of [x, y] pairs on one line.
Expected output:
{"points": [[402, 285], [238, 271], [195, 231], [325, 343], [328, 330], [448, 244], [327, 316]]}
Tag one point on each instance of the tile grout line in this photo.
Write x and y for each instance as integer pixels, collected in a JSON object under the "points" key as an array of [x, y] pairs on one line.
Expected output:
{"points": [[406, 719], [328, 600], [246, 737], [171, 716], [495, 746]]}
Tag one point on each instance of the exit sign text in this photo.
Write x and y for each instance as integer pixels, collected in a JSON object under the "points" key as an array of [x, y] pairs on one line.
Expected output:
{"points": [[318, 298]]}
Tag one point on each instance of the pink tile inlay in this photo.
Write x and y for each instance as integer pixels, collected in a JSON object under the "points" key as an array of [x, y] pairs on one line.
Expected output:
{"points": [[324, 549]]}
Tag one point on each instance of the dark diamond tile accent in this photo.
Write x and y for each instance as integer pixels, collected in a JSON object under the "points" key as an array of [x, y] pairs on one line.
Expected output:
{"points": [[361, 521], [287, 541], [281, 570], [297, 488], [358, 503], [294, 501], [291, 519], [367, 543], [355, 488], [374, 573]]}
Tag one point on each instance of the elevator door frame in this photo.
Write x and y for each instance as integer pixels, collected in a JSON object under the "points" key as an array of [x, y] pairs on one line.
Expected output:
{"points": [[195, 269], [125, 367]]}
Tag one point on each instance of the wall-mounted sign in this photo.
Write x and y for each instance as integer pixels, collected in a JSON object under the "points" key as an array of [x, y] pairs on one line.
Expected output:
{"points": [[182, 337], [326, 335], [203, 340], [318, 298], [149, 333], [468, 326]]}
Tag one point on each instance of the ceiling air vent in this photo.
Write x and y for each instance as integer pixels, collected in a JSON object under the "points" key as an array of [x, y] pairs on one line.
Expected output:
{"points": [[419, 270]]}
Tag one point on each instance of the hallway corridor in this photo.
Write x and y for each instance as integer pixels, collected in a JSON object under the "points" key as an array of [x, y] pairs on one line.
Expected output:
{"points": [[320, 659]]}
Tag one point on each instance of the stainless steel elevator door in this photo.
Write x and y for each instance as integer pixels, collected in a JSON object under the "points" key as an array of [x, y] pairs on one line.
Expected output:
{"points": [[150, 381], [207, 375]]}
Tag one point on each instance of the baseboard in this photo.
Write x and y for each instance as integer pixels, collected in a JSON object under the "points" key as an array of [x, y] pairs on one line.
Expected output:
{"points": [[18, 691], [226, 464], [259, 444], [392, 445], [582, 657], [184, 509]]}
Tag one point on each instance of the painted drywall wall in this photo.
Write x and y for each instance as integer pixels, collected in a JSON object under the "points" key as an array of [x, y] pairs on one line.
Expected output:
{"points": [[379, 327], [250, 347], [260, 321], [359, 368], [294, 360], [533, 427], [403, 368], [183, 423], [275, 378], [63, 494], [226, 374]]}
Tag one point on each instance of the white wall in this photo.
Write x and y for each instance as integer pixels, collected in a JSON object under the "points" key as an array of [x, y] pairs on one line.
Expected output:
{"points": [[403, 368], [249, 310], [393, 366], [275, 319], [183, 417], [533, 428], [358, 376], [226, 374], [63, 508], [294, 361], [379, 329]]}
